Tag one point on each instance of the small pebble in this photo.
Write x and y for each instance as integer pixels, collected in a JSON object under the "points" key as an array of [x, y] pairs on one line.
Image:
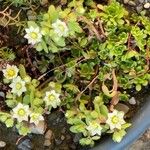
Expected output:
{"points": [[77, 137], [141, 1], [48, 138], [131, 3], [25, 145], [2, 144], [147, 5], [58, 141], [139, 8], [47, 143], [38, 129], [132, 101], [125, 1], [2, 94], [49, 134], [62, 137]]}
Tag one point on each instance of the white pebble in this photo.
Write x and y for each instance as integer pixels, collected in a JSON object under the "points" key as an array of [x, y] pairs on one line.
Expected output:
{"points": [[147, 5], [2, 144], [125, 1], [132, 101]]}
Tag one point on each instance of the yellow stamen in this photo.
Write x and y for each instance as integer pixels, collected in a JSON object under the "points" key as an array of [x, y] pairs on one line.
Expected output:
{"points": [[33, 35], [10, 72], [21, 112], [18, 86], [115, 119]]}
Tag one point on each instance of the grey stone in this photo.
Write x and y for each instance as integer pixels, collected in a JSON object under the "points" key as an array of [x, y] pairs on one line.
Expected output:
{"points": [[39, 129], [58, 141], [132, 101], [77, 137], [25, 145], [2, 94]]}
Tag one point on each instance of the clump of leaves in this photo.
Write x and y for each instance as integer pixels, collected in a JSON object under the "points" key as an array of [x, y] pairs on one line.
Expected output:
{"points": [[55, 26], [7, 54]]}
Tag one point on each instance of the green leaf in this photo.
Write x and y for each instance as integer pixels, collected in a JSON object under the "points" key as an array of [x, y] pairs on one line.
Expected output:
{"points": [[71, 87], [26, 99], [37, 101], [86, 141], [32, 24], [23, 129], [3, 118], [126, 125], [139, 36], [9, 123], [138, 87], [94, 114], [95, 137], [131, 54], [53, 13], [11, 103], [74, 27], [39, 47], [104, 110], [22, 71], [53, 48], [44, 46], [118, 135], [60, 41], [77, 128]]}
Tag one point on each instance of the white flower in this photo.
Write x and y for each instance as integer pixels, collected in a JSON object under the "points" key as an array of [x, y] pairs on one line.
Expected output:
{"points": [[10, 72], [21, 112], [36, 118], [94, 128], [60, 28], [52, 99], [18, 86], [115, 119], [33, 35]]}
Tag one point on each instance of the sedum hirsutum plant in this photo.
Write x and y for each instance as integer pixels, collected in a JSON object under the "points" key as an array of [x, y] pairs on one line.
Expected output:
{"points": [[28, 103], [53, 29], [93, 123], [93, 55]]}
